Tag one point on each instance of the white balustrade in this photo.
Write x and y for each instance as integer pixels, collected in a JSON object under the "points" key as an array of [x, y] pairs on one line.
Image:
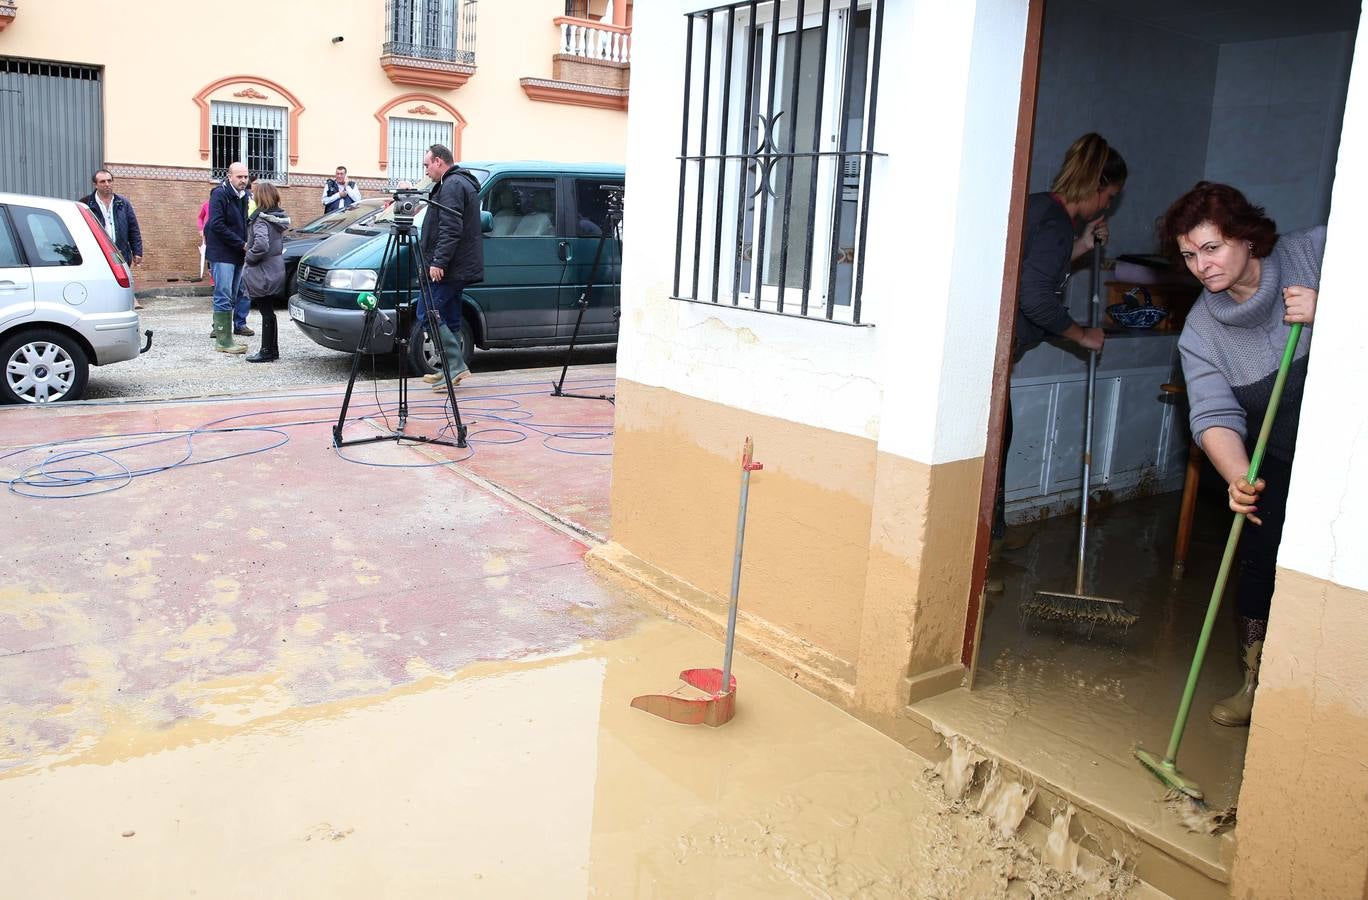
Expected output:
{"points": [[586, 39]]}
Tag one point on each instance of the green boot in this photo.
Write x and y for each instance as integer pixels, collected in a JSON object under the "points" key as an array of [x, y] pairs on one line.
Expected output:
{"points": [[1234, 711], [223, 333], [454, 351]]}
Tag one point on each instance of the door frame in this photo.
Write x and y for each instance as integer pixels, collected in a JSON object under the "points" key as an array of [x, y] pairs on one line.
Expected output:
{"points": [[1002, 358]]}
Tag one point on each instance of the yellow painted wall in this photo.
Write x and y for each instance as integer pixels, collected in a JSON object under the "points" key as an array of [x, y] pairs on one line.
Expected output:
{"points": [[1305, 790], [158, 54]]}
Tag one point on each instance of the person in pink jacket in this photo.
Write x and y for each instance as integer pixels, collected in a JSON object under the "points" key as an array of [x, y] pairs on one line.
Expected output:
{"points": [[199, 223]]}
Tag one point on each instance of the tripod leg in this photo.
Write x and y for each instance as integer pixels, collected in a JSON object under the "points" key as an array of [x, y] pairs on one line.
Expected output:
{"points": [[434, 324], [585, 299], [570, 351], [366, 327]]}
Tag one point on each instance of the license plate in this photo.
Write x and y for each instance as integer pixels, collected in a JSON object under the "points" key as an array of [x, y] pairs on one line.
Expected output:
{"points": [[296, 313]]}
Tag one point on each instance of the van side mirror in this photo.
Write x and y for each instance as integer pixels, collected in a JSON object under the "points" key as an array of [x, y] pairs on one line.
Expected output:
{"points": [[486, 221]]}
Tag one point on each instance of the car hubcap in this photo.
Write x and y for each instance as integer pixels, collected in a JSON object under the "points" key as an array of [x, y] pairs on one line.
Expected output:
{"points": [[430, 354], [40, 372]]}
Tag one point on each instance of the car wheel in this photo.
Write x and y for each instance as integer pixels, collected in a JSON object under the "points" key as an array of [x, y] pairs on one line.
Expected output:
{"points": [[43, 366], [423, 357]]}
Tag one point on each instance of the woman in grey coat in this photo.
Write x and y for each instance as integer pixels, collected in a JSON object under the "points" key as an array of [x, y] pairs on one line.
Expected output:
{"points": [[264, 274]]}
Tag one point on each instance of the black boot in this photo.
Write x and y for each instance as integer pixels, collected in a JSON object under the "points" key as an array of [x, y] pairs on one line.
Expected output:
{"points": [[270, 350]]}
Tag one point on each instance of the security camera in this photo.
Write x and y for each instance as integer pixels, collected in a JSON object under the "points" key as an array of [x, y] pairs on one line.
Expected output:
{"points": [[338, 39]]}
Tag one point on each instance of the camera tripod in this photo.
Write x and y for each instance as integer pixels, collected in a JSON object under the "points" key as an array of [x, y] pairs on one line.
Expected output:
{"points": [[401, 236], [613, 230]]}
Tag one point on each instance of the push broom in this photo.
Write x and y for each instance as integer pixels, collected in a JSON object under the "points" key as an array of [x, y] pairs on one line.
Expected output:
{"points": [[1060, 606], [1166, 769]]}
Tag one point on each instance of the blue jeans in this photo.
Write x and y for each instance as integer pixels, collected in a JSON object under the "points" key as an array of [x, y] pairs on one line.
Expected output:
{"points": [[229, 293], [446, 299]]}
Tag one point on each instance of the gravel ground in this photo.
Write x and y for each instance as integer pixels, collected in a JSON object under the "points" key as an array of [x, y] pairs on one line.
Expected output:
{"points": [[182, 362]]}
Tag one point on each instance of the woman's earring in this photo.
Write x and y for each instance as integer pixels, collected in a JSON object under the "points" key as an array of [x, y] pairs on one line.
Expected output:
{"points": [[1250, 246]]}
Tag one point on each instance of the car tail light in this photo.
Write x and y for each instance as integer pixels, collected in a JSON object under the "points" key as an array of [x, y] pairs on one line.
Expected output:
{"points": [[111, 255]]}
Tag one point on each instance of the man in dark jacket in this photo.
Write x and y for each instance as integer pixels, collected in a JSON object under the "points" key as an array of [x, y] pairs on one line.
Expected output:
{"points": [[452, 244], [225, 241], [116, 214]]}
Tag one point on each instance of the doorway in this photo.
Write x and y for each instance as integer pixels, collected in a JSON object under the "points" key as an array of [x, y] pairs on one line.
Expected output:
{"points": [[1184, 94]]}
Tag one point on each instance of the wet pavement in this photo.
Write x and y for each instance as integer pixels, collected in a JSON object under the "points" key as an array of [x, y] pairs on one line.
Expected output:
{"points": [[182, 362], [246, 664]]}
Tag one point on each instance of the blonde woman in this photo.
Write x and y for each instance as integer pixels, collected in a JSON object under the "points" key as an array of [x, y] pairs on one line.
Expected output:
{"points": [[1092, 175]]}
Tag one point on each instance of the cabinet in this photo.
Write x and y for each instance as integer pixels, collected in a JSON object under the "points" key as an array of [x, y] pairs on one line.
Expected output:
{"points": [[1139, 432]]}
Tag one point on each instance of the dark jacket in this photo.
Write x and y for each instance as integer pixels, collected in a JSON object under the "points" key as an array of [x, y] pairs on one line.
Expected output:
{"points": [[264, 274], [454, 240], [1045, 262], [226, 232], [330, 189], [127, 235]]}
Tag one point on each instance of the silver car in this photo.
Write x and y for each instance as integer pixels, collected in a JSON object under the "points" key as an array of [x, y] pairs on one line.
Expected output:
{"points": [[66, 299]]}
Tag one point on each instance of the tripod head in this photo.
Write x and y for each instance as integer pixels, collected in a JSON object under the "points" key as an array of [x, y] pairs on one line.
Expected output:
{"points": [[406, 203]]}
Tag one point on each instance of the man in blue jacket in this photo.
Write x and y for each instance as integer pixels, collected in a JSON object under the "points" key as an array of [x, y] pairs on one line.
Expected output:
{"points": [[225, 242], [115, 213]]}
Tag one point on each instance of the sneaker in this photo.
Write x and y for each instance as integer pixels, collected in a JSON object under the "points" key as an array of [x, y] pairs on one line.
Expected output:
{"points": [[432, 377], [244, 331], [439, 386]]}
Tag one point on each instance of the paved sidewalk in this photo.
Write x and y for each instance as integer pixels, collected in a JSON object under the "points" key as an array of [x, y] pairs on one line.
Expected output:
{"points": [[249, 665]]}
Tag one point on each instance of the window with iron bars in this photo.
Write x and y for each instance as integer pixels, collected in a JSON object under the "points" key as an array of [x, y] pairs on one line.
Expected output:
{"points": [[409, 140], [775, 154], [432, 29], [250, 134]]}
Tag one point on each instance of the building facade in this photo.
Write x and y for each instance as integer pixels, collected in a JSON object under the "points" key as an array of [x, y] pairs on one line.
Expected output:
{"points": [[166, 95], [825, 209]]}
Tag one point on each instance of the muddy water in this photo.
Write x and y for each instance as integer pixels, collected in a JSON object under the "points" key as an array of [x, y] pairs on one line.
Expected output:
{"points": [[512, 779], [1070, 706]]}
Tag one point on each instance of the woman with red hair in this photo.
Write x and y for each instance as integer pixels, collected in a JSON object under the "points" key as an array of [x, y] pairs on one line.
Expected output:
{"points": [[1256, 285]]}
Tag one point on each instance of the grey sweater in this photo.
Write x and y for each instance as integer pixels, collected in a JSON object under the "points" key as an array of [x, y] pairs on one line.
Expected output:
{"points": [[1231, 350]]}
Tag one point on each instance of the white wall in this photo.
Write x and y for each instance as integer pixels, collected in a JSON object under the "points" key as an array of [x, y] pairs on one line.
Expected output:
{"points": [[918, 380], [1326, 532], [1147, 91], [1275, 122]]}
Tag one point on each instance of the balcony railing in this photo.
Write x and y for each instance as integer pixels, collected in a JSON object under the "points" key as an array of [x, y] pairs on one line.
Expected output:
{"points": [[591, 39], [431, 42], [8, 10]]}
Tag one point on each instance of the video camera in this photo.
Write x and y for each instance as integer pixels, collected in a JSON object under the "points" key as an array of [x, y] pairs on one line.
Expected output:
{"points": [[407, 202]]}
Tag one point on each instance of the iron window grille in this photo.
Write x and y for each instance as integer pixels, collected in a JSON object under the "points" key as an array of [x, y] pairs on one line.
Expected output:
{"points": [[578, 9], [409, 139], [251, 134], [774, 187], [430, 29]]}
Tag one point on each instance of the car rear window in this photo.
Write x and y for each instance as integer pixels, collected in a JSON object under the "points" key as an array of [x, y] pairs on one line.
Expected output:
{"points": [[46, 240], [9, 250]]}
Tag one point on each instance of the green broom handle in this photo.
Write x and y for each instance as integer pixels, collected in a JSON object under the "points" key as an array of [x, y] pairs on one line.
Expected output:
{"points": [[1232, 542]]}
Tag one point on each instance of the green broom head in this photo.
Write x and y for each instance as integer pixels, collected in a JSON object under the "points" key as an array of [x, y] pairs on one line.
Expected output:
{"points": [[1167, 772]]}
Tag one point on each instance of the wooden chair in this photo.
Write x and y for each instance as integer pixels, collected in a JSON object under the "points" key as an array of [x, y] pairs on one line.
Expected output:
{"points": [[1183, 540]]}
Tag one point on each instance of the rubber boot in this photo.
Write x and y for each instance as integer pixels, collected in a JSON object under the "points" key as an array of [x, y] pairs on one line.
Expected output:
{"points": [[1235, 710], [223, 333], [270, 348], [455, 357]]}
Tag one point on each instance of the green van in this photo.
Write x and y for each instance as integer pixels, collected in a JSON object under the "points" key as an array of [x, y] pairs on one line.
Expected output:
{"points": [[542, 224]]}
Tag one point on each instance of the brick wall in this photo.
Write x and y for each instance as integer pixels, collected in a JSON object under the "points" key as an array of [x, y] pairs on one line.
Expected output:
{"points": [[167, 209]]}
